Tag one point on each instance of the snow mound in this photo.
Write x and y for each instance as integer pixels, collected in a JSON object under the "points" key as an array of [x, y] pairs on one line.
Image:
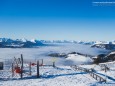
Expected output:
{"points": [[78, 59]]}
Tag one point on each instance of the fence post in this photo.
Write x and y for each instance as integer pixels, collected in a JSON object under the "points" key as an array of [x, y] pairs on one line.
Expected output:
{"points": [[21, 66], [100, 79], [38, 69], [53, 64], [105, 68], [105, 72], [93, 75], [105, 81], [96, 77]]}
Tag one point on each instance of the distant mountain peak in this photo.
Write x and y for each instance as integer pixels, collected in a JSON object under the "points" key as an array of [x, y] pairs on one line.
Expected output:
{"points": [[33, 40]]}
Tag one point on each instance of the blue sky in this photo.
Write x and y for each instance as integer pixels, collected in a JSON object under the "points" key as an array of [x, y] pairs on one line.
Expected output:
{"points": [[56, 19]]}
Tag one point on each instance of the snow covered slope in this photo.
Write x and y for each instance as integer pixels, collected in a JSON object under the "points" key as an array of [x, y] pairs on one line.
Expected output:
{"points": [[60, 76]]}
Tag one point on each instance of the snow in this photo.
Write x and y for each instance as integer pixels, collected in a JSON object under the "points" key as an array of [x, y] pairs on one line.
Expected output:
{"points": [[33, 40], [58, 76], [112, 53], [78, 59], [109, 75], [62, 74], [102, 42], [23, 40]]}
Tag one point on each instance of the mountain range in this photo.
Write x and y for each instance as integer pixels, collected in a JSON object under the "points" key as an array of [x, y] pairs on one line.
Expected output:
{"points": [[24, 43], [19, 43]]}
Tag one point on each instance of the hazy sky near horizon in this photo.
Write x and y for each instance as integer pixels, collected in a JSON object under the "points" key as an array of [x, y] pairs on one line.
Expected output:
{"points": [[57, 19]]}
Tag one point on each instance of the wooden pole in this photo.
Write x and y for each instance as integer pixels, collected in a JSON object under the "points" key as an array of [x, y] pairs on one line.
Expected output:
{"points": [[38, 75], [19, 61], [42, 62], [12, 69], [15, 60], [30, 68], [21, 66]]}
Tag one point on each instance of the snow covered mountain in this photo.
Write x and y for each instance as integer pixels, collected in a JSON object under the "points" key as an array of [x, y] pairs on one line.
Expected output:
{"points": [[58, 41], [105, 45], [69, 41], [19, 43], [24, 43]]}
